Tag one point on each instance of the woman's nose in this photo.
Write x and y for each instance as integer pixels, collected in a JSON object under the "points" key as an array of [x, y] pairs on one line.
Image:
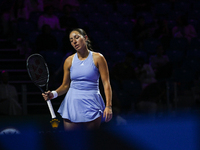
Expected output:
{"points": [[74, 41]]}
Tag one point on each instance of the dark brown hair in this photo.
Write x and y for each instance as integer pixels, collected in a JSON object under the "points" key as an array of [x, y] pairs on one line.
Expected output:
{"points": [[83, 33]]}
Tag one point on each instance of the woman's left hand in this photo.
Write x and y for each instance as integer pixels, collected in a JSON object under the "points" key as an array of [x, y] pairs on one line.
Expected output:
{"points": [[107, 114]]}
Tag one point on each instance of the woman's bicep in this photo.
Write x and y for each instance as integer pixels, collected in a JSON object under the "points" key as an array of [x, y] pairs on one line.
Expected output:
{"points": [[103, 69], [66, 75]]}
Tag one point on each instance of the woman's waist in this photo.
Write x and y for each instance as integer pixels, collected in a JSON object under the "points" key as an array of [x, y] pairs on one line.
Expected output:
{"points": [[84, 85], [83, 91]]}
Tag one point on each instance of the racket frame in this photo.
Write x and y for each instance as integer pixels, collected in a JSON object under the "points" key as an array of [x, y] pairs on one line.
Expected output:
{"points": [[40, 86]]}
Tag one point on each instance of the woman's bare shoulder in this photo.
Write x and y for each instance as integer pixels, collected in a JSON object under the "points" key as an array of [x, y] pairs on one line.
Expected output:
{"points": [[98, 59], [68, 60], [97, 55]]}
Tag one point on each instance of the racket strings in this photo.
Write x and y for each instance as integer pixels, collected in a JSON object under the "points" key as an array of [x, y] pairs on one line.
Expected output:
{"points": [[41, 81], [37, 69]]}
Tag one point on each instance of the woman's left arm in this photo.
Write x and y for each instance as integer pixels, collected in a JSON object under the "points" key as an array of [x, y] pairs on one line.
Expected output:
{"points": [[101, 63]]}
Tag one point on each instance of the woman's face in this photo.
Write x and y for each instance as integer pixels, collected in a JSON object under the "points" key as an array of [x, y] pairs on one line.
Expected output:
{"points": [[77, 40]]}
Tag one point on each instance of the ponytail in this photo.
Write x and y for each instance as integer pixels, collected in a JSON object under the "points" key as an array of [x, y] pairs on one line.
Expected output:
{"points": [[89, 45]]}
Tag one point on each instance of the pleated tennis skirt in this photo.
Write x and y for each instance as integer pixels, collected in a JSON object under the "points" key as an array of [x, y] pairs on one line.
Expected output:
{"points": [[82, 105]]}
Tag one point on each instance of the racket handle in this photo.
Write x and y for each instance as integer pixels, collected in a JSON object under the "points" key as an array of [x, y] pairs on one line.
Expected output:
{"points": [[51, 109]]}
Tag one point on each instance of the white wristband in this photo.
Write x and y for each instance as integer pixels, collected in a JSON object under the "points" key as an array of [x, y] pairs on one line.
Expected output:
{"points": [[55, 94]]}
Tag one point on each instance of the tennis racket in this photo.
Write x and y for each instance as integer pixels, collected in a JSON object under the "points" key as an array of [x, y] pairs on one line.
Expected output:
{"points": [[39, 74]]}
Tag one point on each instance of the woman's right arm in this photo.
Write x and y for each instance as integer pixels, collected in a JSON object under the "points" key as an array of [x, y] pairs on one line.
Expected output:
{"points": [[66, 77], [66, 81]]}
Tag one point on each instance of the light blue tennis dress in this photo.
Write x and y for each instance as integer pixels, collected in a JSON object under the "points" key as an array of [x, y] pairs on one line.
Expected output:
{"points": [[83, 101]]}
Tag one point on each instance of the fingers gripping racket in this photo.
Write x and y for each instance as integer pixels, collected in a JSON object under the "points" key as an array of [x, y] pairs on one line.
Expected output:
{"points": [[39, 74]]}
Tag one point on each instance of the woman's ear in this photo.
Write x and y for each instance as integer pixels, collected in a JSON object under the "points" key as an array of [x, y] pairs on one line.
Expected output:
{"points": [[86, 37]]}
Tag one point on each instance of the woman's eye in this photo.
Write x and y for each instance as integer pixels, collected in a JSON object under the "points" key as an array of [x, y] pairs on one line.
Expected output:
{"points": [[76, 37]]}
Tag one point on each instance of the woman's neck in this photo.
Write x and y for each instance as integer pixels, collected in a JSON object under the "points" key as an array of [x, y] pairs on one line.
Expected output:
{"points": [[83, 55]]}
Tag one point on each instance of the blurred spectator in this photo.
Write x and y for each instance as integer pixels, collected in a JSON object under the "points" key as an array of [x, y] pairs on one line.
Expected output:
{"points": [[153, 92], [73, 4], [124, 70], [8, 97], [163, 33], [140, 32], [54, 3], [144, 73], [19, 10], [5, 8], [159, 59], [160, 64], [24, 47], [36, 5], [153, 98], [67, 22], [46, 41], [49, 18], [6, 25], [184, 29]]}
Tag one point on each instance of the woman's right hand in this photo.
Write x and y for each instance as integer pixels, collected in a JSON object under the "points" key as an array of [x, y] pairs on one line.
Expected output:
{"points": [[47, 95]]}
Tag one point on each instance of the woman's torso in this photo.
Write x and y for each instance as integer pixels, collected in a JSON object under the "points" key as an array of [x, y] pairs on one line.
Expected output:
{"points": [[84, 74]]}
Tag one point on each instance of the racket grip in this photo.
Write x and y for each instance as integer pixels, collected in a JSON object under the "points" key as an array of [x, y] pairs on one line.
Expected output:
{"points": [[51, 109]]}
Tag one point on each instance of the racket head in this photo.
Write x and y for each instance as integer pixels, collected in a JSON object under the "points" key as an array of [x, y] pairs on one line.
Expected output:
{"points": [[37, 69]]}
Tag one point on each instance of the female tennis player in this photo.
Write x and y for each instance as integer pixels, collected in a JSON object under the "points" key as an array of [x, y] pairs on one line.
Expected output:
{"points": [[83, 106]]}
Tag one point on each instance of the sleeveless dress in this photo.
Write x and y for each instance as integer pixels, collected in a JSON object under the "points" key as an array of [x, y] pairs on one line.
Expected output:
{"points": [[83, 101]]}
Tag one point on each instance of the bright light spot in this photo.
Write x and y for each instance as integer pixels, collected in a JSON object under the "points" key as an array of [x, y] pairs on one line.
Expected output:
{"points": [[9, 131]]}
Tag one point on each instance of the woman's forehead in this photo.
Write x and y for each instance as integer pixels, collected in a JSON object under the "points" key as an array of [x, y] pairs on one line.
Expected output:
{"points": [[73, 33]]}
